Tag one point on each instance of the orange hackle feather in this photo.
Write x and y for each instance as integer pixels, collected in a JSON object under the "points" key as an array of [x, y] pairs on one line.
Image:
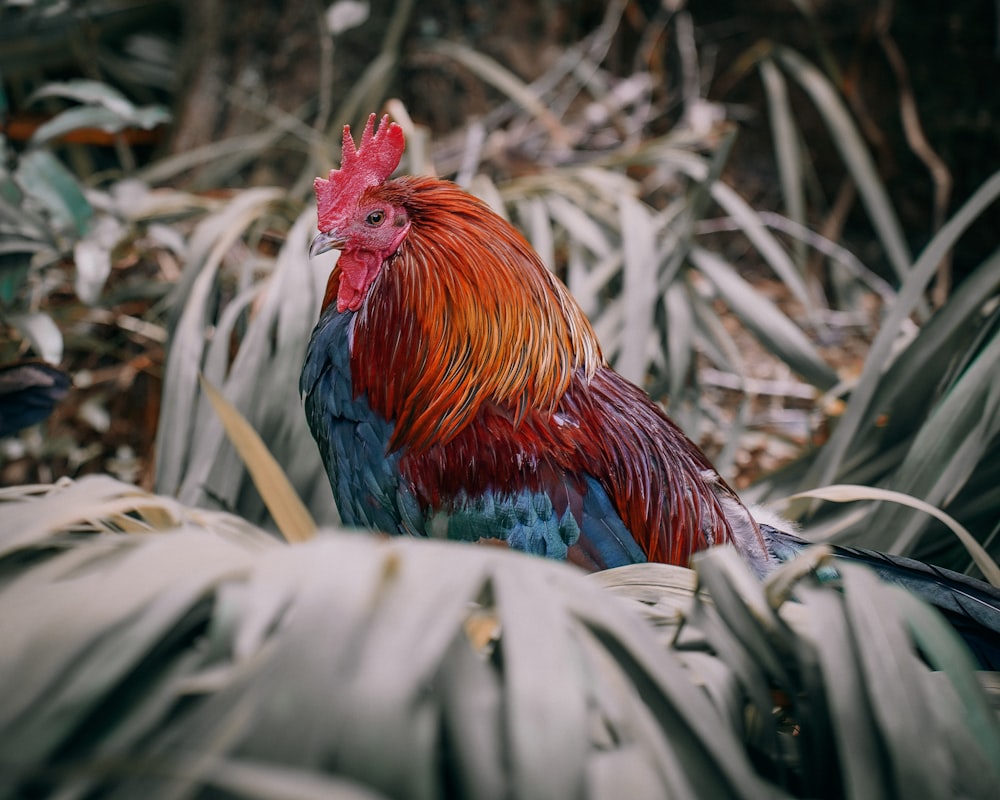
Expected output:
{"points": [[467, 314], [472, 347]]}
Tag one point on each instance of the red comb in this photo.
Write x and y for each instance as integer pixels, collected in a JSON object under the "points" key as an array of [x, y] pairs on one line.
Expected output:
{"points": [[360, 168]]}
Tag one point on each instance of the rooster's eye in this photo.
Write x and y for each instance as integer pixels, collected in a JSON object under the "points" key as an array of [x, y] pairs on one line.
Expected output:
{"points": [[375, 218]]}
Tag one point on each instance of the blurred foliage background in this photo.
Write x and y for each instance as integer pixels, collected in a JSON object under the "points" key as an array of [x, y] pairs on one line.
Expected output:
{"points": [[781, 217]]}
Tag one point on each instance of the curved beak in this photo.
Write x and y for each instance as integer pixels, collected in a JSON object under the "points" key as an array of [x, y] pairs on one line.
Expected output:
{"points": [[324, 241]]}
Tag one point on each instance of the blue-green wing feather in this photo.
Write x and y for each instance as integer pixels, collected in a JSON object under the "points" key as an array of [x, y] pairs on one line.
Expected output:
{"points": [[351, 438], [370, 490]]}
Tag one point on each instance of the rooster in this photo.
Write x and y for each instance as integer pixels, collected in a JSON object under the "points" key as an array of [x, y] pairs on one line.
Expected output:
{"points": [[455, 389]]}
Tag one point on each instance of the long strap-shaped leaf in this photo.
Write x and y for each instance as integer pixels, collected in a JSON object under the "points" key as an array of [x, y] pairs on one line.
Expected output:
{"points": [[288, 511], [845, 493]]}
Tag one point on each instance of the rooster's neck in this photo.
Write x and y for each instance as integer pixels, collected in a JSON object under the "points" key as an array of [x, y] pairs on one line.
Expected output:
{"points": [[464, 314], [332, 289]]}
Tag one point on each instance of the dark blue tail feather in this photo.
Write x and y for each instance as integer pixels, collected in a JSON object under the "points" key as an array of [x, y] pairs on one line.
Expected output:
{"points": [[971, 606]]}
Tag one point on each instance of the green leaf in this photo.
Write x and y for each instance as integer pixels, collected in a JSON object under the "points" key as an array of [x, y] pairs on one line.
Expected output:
{"points": [[193, 297], [104, 119], [42, 176], [943, 650], [763, 240], [289, 514], [87, 91], [181, 648], [902, 393], [850, 431], [848, 140], [580, 225], [680, 337], [75, 118], [261, 780], [787, 152], [844, 493], [764, 319], [639, 297], [853, 727], [949, 446], [15, 262], [43, 333]]}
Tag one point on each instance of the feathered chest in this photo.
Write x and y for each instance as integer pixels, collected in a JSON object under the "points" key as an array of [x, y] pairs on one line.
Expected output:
{"points": [[353, 439], [326, 373]]}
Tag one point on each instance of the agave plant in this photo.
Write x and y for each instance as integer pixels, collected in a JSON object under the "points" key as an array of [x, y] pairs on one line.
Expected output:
{"points": [[177, 652], [47, 213], [921, 417]]}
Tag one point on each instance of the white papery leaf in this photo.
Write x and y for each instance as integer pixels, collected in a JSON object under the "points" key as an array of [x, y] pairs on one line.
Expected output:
{"points": [[92, 256], [43, 333], [344, 15]]}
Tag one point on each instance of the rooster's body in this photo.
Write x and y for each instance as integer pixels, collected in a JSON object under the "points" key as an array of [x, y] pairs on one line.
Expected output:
{"points": [[457, 390]]}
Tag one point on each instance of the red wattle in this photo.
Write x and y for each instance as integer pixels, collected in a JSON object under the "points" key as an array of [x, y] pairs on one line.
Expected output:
{"points": [[357, 271]]}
